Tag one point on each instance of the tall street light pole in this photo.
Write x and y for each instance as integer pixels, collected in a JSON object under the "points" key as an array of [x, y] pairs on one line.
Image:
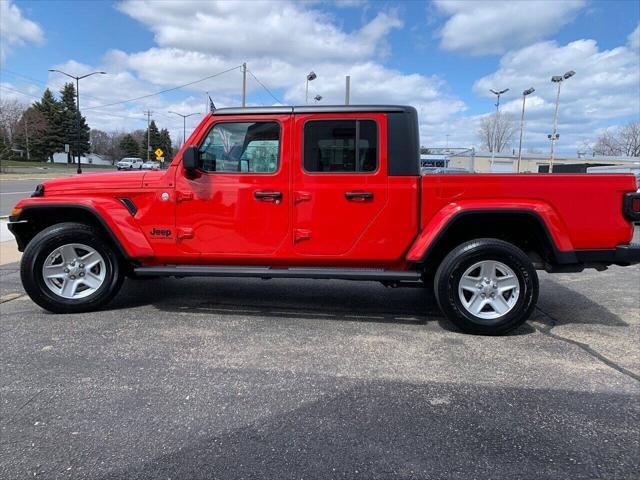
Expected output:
{"points": [[310, 77], [529, 91], [77, 79], [495, 123], [184, 123], [554, 136]]}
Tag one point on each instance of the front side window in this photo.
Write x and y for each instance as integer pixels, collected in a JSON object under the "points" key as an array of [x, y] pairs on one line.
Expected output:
{"points": [[241, 147], [339, 146]]}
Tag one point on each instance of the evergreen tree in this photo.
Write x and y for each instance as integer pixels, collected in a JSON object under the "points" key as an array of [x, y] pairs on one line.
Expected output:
{"points": [[129, 146], [154, 141], [72, 121], [52, 137], [165, 144]]}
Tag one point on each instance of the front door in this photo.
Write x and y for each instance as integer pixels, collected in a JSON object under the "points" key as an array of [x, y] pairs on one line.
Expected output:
{"points": [[340, 181], [238, 203]]}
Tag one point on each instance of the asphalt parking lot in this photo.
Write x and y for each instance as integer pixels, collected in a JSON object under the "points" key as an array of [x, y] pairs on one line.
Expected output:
{"points": [[233, 378]]}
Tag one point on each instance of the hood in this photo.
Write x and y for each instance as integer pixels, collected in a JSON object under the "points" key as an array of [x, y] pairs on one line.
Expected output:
{"points": [[95, 181]]}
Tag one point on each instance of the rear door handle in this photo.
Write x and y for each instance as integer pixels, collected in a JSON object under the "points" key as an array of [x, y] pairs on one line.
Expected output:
{"points": [[268, 196], [358, 195]]}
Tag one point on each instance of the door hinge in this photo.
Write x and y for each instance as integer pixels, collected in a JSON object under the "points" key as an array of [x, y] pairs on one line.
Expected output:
{"points": [[184, 233], [300, 234], [183, 196], [301, 197]]}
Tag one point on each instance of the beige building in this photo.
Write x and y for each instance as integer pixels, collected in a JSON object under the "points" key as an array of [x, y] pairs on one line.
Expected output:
{"points": [[507, 162]]}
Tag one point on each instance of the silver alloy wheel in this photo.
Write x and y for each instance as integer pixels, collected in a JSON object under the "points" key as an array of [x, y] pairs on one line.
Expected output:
{"points": [[74, 271], [489, 289]]}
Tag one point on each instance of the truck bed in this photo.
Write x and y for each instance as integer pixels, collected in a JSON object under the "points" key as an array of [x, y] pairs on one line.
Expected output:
{"points": [[577, 208]]}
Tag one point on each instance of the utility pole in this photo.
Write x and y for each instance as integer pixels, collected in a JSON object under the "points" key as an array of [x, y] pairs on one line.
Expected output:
{"points": [[184, 123], [347, 89], [78, 125], [311, 76], [77, 79], [244, 85], [554, 136], [528, 91], [148, 114], [495, 123]]}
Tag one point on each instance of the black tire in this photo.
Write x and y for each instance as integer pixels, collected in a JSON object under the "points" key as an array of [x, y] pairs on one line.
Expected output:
{"points": [[44, 243], [463, 257]]}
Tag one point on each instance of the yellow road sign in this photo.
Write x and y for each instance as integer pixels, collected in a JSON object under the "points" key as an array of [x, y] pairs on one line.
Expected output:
{"points": [[158, 152]]}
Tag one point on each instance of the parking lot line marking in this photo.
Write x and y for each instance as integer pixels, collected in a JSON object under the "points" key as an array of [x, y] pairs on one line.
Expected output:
{"points": [[10, 296]]}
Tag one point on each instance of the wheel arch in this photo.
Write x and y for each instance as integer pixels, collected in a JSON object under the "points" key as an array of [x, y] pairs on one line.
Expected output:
{"points": [[34, 218], [524, 227]]}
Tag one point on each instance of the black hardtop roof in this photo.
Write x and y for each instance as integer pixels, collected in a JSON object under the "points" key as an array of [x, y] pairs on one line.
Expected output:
{"points": [[313, 109]]}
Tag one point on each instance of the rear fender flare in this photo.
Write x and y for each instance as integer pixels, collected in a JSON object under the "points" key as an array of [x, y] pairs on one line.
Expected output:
{"points": [[548, 219]]}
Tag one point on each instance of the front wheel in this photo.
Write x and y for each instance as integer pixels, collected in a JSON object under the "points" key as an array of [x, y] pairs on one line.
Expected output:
{"points": [[68, 268], [486, 286]]}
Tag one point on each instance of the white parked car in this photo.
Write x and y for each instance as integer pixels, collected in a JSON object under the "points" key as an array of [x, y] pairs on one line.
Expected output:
{"points": [[151, 165], [130, 163]]}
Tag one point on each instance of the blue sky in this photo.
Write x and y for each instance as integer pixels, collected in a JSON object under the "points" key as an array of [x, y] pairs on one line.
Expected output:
{"points": [[440, 56]]}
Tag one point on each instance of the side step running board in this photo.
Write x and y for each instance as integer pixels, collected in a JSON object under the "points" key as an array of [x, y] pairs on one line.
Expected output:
{"points": [[271, 272]]}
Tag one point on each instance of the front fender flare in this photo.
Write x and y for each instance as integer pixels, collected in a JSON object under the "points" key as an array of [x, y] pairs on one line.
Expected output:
{"points": [[111, 214]]}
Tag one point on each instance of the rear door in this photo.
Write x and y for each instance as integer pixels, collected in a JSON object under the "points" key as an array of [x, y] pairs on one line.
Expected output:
{"points": [[339, 180]]}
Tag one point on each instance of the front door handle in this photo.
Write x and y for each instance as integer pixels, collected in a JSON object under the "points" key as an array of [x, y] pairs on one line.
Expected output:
{"points": [[268, 196], [358, 196]]}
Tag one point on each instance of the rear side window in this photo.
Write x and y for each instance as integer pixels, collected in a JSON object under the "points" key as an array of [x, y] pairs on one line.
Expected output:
{"points": [[241, 147], [340, 146]]}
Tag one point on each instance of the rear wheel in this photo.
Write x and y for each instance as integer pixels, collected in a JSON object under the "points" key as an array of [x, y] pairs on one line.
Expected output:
{"points": [[68, 268], [486, 286]]}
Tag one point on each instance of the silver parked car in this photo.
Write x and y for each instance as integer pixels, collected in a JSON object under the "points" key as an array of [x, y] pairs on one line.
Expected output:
{"points": [[130, 163], [151, 165]]}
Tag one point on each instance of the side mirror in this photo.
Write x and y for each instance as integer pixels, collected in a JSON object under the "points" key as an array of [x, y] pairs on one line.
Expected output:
{"points": [[191, 159]]}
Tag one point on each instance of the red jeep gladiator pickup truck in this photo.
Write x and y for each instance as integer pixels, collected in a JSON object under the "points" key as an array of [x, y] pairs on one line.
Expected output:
{"points": [[323, 192]]}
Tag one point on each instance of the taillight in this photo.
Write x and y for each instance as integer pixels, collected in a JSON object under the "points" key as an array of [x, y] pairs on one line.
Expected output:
{"points": [[631, 206]]}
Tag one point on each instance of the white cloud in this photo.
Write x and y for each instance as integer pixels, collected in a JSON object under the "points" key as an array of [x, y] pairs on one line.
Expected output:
{"points": [[280, 41], [16, 30], [494, 27], [604, 89], [283, 30]]}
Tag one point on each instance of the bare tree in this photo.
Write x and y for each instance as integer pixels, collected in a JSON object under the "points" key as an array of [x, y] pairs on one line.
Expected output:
{"points": [[496, 131], [621, 141], [29, 133], [107, 144], [10, 114]]}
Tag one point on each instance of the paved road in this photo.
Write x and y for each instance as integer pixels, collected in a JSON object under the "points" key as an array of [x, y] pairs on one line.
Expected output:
{"points": [[11, 191], [232, 378]]}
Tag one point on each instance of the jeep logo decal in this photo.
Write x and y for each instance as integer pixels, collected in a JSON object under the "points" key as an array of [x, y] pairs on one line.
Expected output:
{"points": [[161, 232]]}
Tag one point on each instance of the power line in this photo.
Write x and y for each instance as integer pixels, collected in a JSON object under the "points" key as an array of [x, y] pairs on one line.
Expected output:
{"points": [[99, 112], [35, 81], [263, 86], [164, 91], [18, 91]]}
